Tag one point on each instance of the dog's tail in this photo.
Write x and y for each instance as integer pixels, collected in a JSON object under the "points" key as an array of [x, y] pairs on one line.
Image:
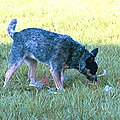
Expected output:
{"points": [[11, 27]]}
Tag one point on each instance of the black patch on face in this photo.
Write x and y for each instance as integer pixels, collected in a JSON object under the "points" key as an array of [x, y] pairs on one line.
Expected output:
{"points": [[91, 65]]}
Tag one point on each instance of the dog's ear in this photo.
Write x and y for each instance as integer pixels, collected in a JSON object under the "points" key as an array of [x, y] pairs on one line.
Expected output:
{"points": [[94, 52]]}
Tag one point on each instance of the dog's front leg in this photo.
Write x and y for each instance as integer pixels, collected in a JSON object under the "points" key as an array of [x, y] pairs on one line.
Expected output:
{"points": [[57, 79], [62, 77]]}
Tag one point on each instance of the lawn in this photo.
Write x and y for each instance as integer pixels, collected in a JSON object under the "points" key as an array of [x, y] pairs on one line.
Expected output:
{"points": [[93, 23]]}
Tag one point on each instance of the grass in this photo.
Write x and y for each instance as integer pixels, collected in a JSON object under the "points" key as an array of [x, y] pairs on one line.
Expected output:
{"points": [[94, 23]]}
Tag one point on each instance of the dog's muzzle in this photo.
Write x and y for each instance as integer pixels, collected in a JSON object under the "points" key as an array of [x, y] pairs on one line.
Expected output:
{"points": [[95, 77], [92, 78]]}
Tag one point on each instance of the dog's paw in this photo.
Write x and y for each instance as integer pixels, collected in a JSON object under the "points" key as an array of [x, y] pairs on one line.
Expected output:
{"points": [[39, 84]]}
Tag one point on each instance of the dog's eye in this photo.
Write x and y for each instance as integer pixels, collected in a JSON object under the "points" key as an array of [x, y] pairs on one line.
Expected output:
{"points": [[90, 59]]}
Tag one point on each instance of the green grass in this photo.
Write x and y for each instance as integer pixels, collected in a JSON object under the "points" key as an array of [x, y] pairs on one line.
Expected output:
{"points": [[94, 23]]}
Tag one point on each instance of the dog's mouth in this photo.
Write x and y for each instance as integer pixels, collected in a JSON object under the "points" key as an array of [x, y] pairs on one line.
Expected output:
{"points": [[92, 79]]}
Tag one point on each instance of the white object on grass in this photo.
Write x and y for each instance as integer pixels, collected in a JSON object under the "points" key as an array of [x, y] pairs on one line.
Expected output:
{"points": [[108, 89], [104, 74]]}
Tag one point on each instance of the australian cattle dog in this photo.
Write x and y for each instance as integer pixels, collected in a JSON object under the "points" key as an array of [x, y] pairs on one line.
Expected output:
{"points": [[59, 51]]}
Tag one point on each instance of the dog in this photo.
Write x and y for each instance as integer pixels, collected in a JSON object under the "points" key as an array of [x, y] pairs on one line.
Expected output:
{"points": [[59, 51]]}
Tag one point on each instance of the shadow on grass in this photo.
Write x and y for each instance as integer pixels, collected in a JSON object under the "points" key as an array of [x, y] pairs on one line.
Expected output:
{"points": [[108, 58], [19, 101]]}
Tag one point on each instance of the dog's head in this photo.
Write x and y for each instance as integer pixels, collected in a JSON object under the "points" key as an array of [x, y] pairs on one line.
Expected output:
{"points": [[89, 65]]}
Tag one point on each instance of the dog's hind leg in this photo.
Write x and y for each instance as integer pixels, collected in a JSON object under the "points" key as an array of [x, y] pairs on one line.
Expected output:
{"points": [[11, 70], [32, 63], [32, 68], [16, 59]]}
